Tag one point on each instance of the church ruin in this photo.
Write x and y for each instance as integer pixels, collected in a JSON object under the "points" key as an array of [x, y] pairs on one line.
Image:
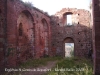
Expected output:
{"points": [[28, 32]]}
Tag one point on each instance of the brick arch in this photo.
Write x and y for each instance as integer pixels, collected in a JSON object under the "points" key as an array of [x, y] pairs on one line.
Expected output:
{"points": [[44, 22], [27, 13], [66, 13], [68, 40], [25, 41], [46, 35]]}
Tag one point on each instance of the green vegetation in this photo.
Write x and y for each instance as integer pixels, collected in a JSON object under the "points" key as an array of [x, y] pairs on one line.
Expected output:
{"points": [[38, 62], [64, 66], [73, 66], [33, 63], [28, 4]]}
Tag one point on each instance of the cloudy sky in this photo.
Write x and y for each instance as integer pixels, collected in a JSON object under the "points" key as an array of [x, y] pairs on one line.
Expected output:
{"points": [[52, 6]]}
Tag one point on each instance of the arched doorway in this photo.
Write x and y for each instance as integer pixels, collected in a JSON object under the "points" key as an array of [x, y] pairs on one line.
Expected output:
{"points": [[68, 47], [25, 36], [46, 36]]}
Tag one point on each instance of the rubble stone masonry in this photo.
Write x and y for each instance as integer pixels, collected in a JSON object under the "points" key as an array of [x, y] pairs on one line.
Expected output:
{"points": [[96, 36], [27, 32], [80, 31]]}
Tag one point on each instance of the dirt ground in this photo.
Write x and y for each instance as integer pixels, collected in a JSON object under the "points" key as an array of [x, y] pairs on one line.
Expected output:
{"points": [[41, 70]]}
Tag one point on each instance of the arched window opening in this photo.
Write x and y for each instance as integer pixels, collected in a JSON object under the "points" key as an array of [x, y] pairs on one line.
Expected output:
{"points": [[20, 29], [0, 11]]}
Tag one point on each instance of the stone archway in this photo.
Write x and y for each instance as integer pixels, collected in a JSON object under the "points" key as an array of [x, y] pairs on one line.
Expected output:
{"points": [[68, 46], [46, 36], [25, 38]]}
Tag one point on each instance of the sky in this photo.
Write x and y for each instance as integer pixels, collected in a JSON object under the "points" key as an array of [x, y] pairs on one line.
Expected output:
{"points": [[53, 6]]}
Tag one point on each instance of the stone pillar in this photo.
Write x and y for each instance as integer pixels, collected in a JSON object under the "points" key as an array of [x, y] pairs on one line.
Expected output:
{"points": [[96, 36], [3, 25]]}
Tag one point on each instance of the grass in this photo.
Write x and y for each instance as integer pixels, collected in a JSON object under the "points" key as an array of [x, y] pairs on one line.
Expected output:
{"points": [[64, 66], [38, 62], [33, 63], [72, 66]]}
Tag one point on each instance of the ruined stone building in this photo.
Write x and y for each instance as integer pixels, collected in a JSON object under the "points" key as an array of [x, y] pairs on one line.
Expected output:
{"points": [[24, 32], [28, 32], [79, 32]]}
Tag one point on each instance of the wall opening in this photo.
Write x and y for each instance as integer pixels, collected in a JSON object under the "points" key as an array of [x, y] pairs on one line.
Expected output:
{"points": [[20, 29], [68, 19], [0, 11], [69, 47]]}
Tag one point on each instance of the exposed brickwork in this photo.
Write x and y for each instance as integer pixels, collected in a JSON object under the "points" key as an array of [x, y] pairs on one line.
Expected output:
{"points": [[3, 22], [32, 43], [31, 33], [96, 36], [80, 31]]}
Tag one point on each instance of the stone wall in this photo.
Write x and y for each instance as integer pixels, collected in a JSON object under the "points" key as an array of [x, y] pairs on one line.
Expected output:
{"points": [[3, 23], [80, 31], [96, 36], [31, 44], [27, 32]]}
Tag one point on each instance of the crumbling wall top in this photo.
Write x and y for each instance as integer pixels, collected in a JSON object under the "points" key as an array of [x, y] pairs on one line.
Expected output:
{"points": [[72, 10]]}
